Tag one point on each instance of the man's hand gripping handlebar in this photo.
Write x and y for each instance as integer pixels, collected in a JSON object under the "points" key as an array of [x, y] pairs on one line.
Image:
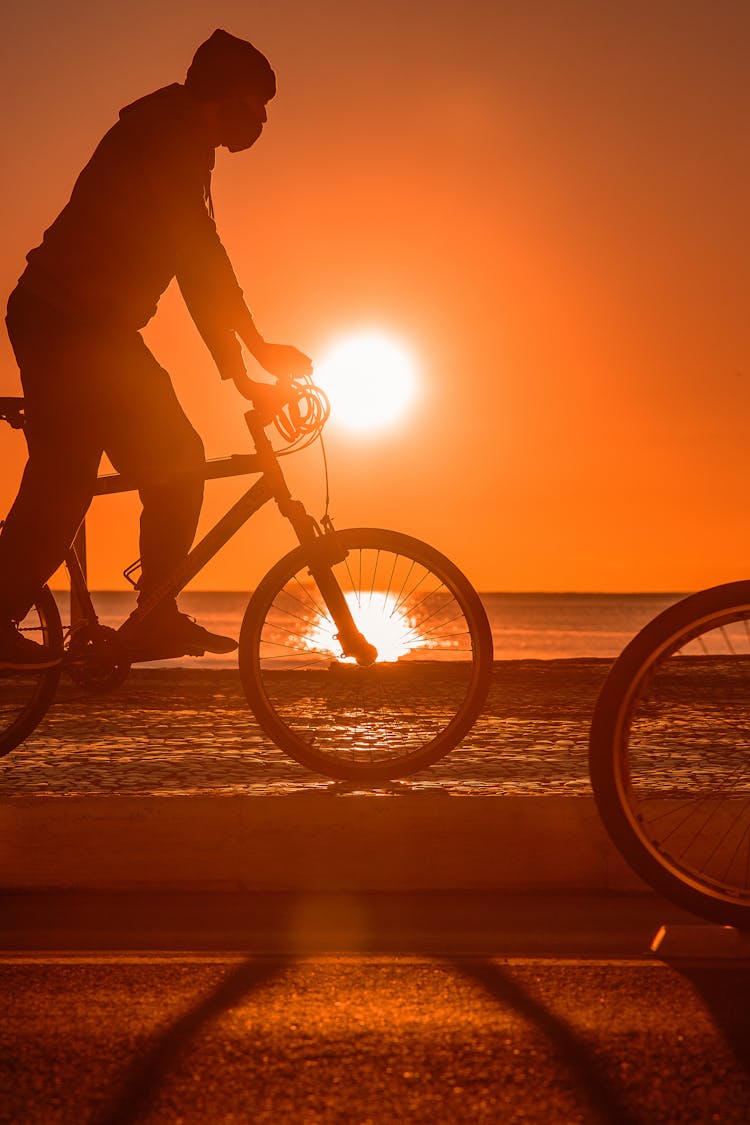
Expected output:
{"points": [[296, 407], [287, 363]]}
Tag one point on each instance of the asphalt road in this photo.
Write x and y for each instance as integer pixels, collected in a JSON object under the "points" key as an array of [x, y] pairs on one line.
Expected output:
{"points": [[365, 1009], [368, 1039]]}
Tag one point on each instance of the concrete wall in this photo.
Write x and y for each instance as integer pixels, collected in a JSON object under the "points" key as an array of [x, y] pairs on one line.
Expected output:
{"points": [[311, 841]]}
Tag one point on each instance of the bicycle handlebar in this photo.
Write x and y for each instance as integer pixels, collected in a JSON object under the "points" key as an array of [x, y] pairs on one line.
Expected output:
{"points": [[267, 398], [296, 407]]}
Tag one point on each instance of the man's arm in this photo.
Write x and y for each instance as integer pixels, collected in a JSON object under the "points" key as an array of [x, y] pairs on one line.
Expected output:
{"points": [[281, 360], [217, 305]]}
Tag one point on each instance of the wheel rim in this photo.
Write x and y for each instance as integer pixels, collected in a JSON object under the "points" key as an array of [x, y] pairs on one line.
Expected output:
{"points": [[411, 701], [24, 693], [683, 766]]}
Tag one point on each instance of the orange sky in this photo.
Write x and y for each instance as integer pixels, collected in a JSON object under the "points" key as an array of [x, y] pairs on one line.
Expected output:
{"points": [[546, 200]]}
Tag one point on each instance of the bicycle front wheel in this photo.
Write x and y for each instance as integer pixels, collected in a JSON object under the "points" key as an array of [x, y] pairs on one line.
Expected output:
{"points": [[670, 753], [407, 710], [25, 696]]}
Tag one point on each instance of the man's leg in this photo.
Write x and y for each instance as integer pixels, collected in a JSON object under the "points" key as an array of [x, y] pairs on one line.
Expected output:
{"points": [[64, 454], [151, 440], [55, 492]]}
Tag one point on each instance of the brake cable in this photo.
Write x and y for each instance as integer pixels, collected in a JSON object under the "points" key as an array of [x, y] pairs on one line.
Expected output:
{"points": [[300, 423]]}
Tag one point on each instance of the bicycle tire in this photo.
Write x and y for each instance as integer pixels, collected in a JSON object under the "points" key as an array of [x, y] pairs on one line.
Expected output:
{"points": [[405, 712], [25, 696], [669, 754]]}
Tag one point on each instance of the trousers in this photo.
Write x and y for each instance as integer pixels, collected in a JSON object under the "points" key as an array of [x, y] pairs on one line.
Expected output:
{"points": [[89, 390]]}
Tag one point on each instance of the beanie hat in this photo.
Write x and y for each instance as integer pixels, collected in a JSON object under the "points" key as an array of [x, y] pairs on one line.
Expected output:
{"points": [[224, 66]]}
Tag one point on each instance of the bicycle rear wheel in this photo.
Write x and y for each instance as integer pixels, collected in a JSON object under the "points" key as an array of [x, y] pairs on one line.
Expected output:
{"points": [[670, 753], [408, 709], [25, 696]]}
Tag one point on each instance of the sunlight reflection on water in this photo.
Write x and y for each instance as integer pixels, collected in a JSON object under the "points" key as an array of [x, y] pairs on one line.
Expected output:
{"points": [[524, 626]]}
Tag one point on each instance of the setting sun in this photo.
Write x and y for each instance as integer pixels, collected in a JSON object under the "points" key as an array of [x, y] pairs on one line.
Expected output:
{"points": [[379, 618], [370, 378]]}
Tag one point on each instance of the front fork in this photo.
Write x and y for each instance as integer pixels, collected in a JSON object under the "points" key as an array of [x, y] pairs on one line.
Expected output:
{"points": [[322, 552], [321, 548]]}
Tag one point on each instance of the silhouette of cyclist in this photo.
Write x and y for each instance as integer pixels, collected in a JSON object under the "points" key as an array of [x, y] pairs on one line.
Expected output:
{"points": [[140, 215]]}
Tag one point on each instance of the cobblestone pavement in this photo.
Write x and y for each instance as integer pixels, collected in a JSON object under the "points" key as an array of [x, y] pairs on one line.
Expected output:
{"points": [[182, 731]]}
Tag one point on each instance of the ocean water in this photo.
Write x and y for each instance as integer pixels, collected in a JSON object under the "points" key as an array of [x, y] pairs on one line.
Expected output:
{"points": [[524, 626], [554, 626]]}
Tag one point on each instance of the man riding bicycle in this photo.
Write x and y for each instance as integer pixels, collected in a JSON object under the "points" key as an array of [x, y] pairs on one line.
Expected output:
{"points": [[140, 215]]}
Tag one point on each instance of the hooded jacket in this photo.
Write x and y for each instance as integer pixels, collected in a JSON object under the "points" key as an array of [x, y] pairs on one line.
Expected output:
{"points": [[139, 216]]}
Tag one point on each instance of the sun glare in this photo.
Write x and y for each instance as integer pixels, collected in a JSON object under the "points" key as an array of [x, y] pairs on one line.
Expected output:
{"points": [[378, 617], [370, 378]]}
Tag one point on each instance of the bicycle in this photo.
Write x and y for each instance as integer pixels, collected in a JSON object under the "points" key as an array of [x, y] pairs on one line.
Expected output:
{"points": [[669, 753], [364, 654]]}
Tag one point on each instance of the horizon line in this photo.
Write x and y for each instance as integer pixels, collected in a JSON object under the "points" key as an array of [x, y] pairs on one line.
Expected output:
{"points": [[488, 593]]}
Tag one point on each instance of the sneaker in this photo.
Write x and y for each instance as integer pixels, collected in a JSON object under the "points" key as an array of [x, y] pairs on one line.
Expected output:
{"points": [[20, 653], [164, 636]]}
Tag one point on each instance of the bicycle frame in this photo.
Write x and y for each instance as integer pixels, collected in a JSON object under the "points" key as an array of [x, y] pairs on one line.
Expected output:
{"points": [[320, 548], [366, 724]]}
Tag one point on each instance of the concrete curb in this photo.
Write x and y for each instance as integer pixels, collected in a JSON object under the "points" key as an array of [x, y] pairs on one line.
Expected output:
{"points": [[308, 842]]}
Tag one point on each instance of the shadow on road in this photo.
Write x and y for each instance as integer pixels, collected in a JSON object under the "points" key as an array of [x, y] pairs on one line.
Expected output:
{"points": [[148, 1074], [591, 1083], [725, 993]]}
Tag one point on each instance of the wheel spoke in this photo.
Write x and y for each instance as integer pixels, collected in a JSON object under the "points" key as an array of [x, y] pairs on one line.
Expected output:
{"points": [[672, 779], [409, 708]]}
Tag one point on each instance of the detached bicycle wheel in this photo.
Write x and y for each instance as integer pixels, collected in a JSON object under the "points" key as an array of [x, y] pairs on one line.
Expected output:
{"points": [[670, 753], [25, 696], [408, 709]]}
